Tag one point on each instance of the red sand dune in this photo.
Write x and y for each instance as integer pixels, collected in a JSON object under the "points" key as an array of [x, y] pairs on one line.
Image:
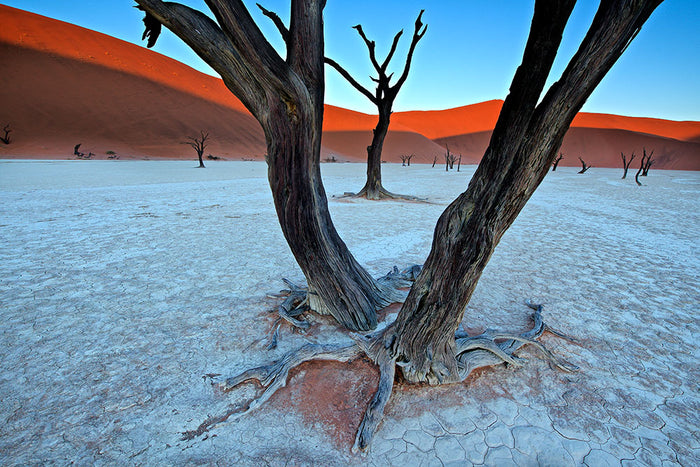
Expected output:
{"points": [[62, 85]]}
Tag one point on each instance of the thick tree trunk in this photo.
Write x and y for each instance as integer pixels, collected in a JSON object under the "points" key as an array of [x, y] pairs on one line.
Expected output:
{"points": [[338, 285], [373, 188]]}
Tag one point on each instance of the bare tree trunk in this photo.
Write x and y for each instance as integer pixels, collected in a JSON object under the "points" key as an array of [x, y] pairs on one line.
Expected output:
{"points": [[373, 188]]}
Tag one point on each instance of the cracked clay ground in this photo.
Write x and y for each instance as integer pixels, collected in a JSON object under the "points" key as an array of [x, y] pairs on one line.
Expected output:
{"points": [[123, 283]]}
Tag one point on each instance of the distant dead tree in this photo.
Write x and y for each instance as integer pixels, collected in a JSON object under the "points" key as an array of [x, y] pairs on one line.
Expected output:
{"points": [[76, 151], [6, 139], [198, 144], [383, 97], [434, 161], [406, 160], [459, 162], [585, 167], [648, 163], [644, 166], [626, 163], [555, 164], [450, 159]]}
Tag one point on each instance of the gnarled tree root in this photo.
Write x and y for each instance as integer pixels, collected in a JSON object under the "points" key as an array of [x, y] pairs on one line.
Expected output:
{"points": [[472, 352], [296, 299]]}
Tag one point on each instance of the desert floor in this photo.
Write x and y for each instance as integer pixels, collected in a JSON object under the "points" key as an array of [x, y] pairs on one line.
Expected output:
{"points": [[123, 283]]}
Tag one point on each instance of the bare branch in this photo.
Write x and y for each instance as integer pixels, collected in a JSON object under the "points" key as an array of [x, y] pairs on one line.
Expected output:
{"points": [[370, 46], [350, 79], [153, 27], [278, 22], [391, 51], [418, 34]]}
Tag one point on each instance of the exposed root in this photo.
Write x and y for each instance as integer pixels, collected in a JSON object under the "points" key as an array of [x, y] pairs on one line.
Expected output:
{"points": [[298, 299], [483, 350], [399, 279], [381, 194], [472, 352], [274, 376], [375, 410]]}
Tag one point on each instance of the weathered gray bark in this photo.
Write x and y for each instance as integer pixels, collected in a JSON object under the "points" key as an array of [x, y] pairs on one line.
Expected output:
{"points": [[383, 98], [286, 97]]}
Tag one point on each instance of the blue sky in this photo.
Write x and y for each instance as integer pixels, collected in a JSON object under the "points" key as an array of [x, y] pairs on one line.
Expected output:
{"points": [[468, 55]]}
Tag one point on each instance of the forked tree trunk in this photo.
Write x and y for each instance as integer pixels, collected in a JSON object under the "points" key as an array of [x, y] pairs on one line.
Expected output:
{"points": [[522, 148], [286, 97]]}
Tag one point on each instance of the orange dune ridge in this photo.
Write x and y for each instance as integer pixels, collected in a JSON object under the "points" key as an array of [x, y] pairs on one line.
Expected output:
{"points": [[480, 117], [29, 30]]}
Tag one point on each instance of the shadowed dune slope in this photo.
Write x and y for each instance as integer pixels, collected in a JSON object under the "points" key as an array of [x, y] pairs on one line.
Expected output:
{"points": [[62, 85]]}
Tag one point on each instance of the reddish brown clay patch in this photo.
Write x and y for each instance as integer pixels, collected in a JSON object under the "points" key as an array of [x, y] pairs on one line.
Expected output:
{"points": [[334, 394]]}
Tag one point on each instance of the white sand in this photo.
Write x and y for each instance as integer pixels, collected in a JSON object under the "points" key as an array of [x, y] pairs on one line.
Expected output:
{"points": [[122, 283]]}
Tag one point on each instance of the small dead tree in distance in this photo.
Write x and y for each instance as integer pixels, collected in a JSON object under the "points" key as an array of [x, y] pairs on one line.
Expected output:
{"points": [[584, 167], [644, 166], [423, 341], [199, 144], [648, 163], [434, 161], [556, 162], [6, 138], [450, 159], [406, 159], [626, 163]]}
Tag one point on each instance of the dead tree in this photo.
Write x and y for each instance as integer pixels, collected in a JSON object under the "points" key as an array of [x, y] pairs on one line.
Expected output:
{"points": [[459, 162], [585, 167], [648, 163], [450, 159], [556, 162], [383, 97], [286, 96], [434, 161], [199, 144], [644, 166], [6, 138], [76, 151], [626, 164], [423, 342], [406, 159]]}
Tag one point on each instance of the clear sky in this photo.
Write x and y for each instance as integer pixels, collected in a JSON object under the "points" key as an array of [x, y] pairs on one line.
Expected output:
{"points": [[469, 54]]}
